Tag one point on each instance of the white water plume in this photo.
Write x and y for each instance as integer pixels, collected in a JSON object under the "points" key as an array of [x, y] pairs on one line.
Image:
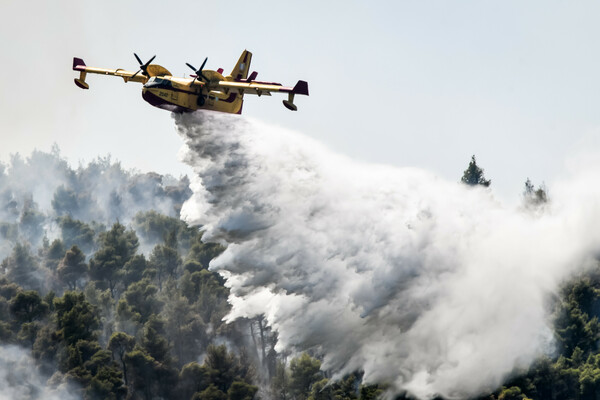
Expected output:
{"points": [[428, 285]]}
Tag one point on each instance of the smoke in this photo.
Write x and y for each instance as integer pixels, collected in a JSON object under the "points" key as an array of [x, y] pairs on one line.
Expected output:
{"points": [[38, 190], [21, 380], [428, 285], [100, 191]]}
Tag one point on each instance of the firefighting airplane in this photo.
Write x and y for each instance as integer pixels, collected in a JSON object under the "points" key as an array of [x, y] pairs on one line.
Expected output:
{"points": [[205, 89]]}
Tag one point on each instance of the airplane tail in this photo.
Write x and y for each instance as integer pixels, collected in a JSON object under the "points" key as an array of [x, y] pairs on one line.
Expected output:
{"points": [[240, 71]]}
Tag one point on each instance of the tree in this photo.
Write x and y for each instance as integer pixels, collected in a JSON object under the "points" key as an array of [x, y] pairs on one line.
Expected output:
{"points": [[154, 227], [204, 252], [73, 203], [280, 383], [185, 330], [5, 331], [149, 376], [241, 391], [512, 393], [193, 378], [133, 270], [142, 368], [140, 298], [107, 381], [22, 267], [8, 289], [118, 246], [72, 267], [165, 260], [28, 333], [589, 380], [223, 366], [96, 371], [32, 221], [76, 232], [321, 390], [79, 353], [533, 197], [370, 392], [154, 341], [207, 290], [210, 393], [65, 201], [28, 306], [76, 319], [346, 388], [46, 349], [54, 254], [304, 372], [119, 344], [473, 175]]}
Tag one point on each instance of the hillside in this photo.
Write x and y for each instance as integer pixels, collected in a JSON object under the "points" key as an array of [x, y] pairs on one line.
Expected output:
{"points": [[106, 294]]}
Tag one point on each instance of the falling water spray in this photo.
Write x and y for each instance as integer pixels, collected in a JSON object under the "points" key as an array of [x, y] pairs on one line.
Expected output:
{"points": [[430, 286]]}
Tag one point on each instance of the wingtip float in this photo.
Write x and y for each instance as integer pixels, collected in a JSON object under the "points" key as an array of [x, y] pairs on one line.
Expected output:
{"points": [[205, 89]]}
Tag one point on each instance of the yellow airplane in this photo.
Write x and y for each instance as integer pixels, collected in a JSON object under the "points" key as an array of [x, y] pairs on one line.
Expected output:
{"points": [[205, 89]]}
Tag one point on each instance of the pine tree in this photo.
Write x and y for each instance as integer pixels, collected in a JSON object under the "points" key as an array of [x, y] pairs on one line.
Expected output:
{"points": [[473, 175], [72, 267], [118, 247]]}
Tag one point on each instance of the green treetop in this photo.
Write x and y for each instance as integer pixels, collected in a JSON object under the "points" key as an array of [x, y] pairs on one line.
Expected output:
{"points": [[473, 175]]}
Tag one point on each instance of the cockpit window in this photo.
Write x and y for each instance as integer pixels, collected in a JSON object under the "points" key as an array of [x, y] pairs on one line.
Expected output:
{"points": [[156, 82]]}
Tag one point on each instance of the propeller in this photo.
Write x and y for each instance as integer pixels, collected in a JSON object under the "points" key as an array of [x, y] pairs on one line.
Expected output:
{"points": [[143, 66], [198, 72]]}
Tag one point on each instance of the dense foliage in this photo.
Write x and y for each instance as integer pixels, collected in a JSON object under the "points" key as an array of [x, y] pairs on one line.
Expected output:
{"points": [[109, 292], [574, 371]]}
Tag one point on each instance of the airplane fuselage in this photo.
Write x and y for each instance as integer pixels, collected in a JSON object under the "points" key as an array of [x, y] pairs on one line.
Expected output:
{"points": [[181, 95]]}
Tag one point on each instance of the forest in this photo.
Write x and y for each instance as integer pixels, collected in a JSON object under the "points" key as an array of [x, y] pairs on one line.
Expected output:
{"points": [[106, 294]]}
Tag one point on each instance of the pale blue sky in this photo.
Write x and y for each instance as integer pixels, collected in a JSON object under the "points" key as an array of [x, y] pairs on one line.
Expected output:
{"points": [[409, 83]]}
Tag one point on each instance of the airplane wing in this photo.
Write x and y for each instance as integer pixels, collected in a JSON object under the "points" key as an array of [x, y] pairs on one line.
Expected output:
{"points": [[262, 88], [248, 86], [128, 76]]}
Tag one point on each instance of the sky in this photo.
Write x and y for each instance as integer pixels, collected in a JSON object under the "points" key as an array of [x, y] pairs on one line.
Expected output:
{"points": [[420, 84]]}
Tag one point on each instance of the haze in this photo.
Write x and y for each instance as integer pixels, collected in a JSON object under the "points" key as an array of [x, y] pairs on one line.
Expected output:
{"points": [[409, 83]]}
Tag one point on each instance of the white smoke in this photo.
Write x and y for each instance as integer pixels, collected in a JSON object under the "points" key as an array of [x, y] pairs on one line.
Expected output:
{"points": [[426, 284], [19, 379]]}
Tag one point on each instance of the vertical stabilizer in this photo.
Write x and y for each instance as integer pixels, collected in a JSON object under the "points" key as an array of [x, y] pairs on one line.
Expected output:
{"points": [[240, 71]]}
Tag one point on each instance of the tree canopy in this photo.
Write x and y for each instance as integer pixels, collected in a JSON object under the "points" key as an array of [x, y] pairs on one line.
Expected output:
{"points": [[108, 289], [473, 175]]}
